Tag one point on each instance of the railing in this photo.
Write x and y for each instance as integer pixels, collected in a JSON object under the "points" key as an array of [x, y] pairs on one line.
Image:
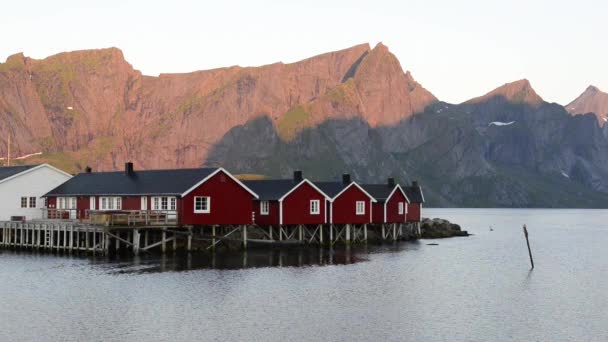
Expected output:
{"points": [[113, 217], [63, 214], [133, 217]]}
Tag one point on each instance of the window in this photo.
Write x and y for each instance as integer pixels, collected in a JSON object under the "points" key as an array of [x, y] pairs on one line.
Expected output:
{"points": [[401, 208], [66, 203], [46, 202], [360, 207], [144, 203], [314, 207], [202, 204], [264, 208], [110, 203], [164, 203], [23, 202], [32, 202]]}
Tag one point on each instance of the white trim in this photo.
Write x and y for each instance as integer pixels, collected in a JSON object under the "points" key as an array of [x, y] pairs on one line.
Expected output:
{"points": [[358, 186], [371, 210], [202, 211], [318, 204], [34, 169], [384, 220], [143, 202], [395, 189], [357, 212], [298, 185], [400, 208], [220, 169], [92, 203], [280, 212], [325, 209], [267, 211], [331, 212]]}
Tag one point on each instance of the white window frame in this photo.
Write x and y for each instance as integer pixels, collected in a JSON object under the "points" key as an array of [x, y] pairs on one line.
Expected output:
{"points": [[24, 201], [92, 203], [143, 203], [207, 202], [164, 203], [29, 202], [66, 203], [401, 208], [360, 207], [110, 203], [264, 207], [315, 207]]}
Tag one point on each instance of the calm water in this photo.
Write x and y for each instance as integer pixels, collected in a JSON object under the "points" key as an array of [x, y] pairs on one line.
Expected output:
{"points": [[465, 289]]}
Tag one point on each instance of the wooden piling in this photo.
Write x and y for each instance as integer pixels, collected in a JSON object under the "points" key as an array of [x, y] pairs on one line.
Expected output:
{"points": [[528, 243]]}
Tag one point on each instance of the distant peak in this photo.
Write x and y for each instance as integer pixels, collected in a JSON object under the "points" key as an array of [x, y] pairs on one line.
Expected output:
{"points": [[520, 92], [592, 89]]}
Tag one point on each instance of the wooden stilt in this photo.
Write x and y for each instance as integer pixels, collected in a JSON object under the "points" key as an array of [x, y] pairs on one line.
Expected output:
{"points": [[244, 236], [528, 243], [136, 241], [174, 242], [189, 244], [163, 240], [213, 243]]}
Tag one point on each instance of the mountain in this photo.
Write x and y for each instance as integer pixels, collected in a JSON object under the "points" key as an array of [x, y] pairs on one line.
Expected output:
{"points": [[592, 100], [353, 110]]}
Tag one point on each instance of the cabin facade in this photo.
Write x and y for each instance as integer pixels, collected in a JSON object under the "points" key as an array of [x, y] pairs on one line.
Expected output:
{"points": [[22, 188], [205, 196], [349, 203], [391, 202], [416, 197], [288, 202]]}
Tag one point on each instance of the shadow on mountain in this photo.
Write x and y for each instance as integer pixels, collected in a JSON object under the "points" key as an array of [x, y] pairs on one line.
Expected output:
{"points": [[490, 154]]}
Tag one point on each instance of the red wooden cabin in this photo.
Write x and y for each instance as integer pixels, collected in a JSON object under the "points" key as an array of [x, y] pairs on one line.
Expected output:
{"points": [[205, 196], [288, 201], [414, 193], [349, 203], [391, 202]]}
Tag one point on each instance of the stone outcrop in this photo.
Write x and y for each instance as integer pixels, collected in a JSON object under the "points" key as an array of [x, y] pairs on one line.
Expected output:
{"points": [[439, 228], [592, 100]]}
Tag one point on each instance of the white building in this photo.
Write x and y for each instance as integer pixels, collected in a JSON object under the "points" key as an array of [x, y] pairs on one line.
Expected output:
{"points": [[21, 188]]}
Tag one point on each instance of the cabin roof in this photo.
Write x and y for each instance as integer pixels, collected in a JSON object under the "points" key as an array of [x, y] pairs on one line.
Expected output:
{"points": [[271, 189], [379, 191], [335, 189], [145, 182], [414, 193], [9, 171]]}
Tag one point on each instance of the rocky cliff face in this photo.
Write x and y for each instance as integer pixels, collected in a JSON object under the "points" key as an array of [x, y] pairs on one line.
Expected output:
{"points": [[92, 108], [353, 110], [592, 100]]}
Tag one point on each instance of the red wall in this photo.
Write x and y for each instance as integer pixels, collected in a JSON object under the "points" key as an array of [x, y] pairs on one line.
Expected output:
{"points": [[392, 208], [230, 203], [344, 207], [296, 206], [413, 212], [273, 213], [378, 212]]}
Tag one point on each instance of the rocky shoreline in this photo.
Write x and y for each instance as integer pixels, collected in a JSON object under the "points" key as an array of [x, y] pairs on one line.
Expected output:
{"points": [[439, 228]]}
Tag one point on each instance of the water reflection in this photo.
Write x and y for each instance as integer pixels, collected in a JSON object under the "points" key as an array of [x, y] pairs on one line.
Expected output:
{"points": [[252, 258]]}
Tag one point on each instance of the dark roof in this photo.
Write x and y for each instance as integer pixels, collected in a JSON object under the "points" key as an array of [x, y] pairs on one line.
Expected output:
{"points": [[414, 193], [148, 182], [271, 189], [9, 171], [379, 191], [331, 188]]}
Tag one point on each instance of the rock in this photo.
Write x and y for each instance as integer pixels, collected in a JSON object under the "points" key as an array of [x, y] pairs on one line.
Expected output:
{"points": [[439, 228]]}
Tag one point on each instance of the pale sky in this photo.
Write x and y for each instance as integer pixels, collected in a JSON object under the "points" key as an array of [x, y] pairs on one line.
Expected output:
{"points": [[455, 49]]}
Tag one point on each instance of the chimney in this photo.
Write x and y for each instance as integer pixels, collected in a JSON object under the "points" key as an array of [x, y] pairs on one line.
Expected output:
{"points": [[415, 184], [88, 169], [297, 176], [345, 179], [129, 169]]}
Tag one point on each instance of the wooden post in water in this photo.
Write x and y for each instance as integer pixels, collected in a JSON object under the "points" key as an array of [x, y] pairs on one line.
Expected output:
{"points": [[528, 243]]}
